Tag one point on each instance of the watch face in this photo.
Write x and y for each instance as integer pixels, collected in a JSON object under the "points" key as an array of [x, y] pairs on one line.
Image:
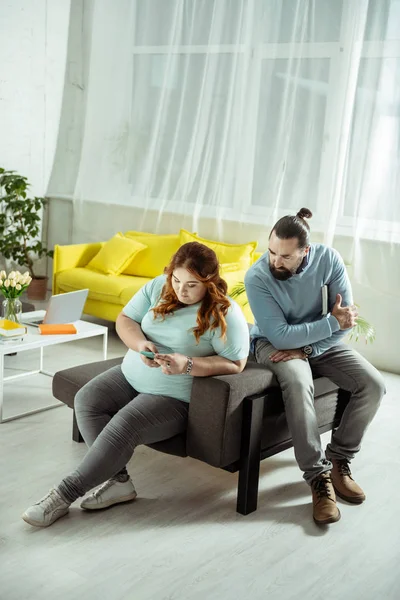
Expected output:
{"points": [[307, 350]]}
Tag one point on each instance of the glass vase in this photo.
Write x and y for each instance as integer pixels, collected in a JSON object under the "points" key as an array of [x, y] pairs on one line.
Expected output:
{"points": [[12, 309]]}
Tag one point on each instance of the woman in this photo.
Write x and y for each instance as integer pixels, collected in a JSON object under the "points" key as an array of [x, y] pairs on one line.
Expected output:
{"points": [[185, 318]]}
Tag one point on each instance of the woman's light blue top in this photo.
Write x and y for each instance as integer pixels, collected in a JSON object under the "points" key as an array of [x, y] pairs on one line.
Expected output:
{"points": [[175, 334]]}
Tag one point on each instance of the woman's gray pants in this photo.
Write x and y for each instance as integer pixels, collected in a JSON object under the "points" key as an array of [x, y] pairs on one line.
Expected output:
{"points": [[113, 419]]}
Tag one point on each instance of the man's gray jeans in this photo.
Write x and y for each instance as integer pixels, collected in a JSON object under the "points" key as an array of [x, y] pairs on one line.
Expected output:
{"points": [[347, 369]]}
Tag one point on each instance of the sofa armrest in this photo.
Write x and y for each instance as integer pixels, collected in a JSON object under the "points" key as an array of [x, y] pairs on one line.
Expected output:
{"points": [[215, 413], [72, 256]]}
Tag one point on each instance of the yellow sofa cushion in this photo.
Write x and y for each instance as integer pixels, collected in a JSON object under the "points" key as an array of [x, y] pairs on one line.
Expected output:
{"points": [[115, 255], [226, 253], [233, 274], [158, 253], [103, 310], [131, 289], [105, 288]]}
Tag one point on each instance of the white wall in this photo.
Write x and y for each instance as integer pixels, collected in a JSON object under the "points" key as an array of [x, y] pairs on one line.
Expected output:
{"points": [[377, 296], [33, 45]]}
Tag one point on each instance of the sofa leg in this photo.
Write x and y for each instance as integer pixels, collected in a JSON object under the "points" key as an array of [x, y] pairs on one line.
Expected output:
{"points": [[249, 469], [76, 434]]}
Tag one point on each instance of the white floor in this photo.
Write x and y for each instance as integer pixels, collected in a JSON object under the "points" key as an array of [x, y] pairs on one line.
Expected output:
{"points": [[182, 539]]}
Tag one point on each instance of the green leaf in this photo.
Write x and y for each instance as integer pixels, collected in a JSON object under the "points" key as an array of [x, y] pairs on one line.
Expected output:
{"points": [[364, 330], [237, 291]]}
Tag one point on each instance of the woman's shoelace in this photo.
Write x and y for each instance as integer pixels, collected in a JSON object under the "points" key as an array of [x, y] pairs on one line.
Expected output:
{"points": [[103, 487], [50, 501]]}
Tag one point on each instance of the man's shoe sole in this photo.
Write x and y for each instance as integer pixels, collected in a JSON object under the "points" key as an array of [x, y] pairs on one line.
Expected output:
{"points": [[350, 499], [330, 520], [38, 524], [110, 502]]}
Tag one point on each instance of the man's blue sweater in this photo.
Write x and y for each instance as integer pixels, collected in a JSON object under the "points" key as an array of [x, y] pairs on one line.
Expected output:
{"points": [[289, 313]]}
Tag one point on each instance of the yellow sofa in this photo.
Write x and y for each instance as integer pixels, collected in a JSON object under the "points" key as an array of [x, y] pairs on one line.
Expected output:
{"points": [[110, 291]]}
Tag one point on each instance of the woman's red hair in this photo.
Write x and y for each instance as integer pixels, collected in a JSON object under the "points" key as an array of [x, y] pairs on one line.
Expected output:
{"points": [[202, 262]]}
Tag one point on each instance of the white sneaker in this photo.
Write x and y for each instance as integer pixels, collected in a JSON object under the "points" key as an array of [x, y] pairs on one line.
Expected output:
{"points": [[47, 510], [111, 492]]}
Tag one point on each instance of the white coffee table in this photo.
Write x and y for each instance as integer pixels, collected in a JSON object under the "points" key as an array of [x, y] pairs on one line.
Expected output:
{"points": [[33, 340]]}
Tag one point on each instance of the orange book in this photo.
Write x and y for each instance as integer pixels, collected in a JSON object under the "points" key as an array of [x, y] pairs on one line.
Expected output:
{"points": [[62, 328]]}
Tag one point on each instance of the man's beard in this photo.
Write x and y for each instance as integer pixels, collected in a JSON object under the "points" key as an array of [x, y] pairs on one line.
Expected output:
{"points": [[281, 274]]}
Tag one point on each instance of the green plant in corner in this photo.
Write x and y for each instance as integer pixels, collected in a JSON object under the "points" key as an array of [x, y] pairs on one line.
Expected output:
{"points": [[362, 329], [20, 221]]}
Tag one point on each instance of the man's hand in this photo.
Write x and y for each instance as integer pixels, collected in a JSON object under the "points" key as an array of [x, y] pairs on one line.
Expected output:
{"points": [[285, 355], [147, 347], [345, 315]]}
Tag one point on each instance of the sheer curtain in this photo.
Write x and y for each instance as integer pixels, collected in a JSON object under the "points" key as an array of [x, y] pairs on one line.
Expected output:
{"points": [[245, 110]]}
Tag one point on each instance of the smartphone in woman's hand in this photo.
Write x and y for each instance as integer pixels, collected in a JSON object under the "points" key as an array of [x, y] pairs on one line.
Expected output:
{"points": [[147, 354]]}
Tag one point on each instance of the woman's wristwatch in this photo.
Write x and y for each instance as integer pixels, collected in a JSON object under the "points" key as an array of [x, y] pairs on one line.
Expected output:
{"points": [[189, 366]]}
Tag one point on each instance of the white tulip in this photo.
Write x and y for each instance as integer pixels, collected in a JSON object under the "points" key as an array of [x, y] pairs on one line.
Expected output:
{"points": [[7, 283], [3, 275], [12, 275], [1, 282], [18, 287], [12, 283], [29, 279]]}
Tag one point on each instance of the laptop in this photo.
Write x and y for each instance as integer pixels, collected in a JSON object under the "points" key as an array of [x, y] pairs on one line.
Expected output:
{"points": [[62, 308]]}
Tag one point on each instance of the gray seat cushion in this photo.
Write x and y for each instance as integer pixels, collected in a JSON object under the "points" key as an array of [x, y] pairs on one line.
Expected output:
{"points": [[215, 416], [68, 382]]}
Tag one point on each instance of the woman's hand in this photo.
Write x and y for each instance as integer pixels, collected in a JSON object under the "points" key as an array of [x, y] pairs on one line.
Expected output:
{"points": [[147, 346], [172, 364]]}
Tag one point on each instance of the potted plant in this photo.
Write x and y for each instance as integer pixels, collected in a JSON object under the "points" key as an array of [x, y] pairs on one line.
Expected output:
{"points": [[361, 329], [20, 228]]}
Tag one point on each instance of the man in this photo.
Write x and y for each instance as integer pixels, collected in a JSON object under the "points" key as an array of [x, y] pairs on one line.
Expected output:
{"points": [[302, 303]]}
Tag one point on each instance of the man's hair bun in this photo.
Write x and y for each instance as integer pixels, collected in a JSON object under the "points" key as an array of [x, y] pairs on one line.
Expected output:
{"points": [[304, 213]]}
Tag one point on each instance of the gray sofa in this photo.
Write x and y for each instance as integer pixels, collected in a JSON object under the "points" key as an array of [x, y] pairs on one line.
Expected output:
{"points": [[234, 420]]}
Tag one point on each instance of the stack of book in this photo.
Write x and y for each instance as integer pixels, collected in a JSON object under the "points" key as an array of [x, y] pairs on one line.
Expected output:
{"points": [[10, 331]]}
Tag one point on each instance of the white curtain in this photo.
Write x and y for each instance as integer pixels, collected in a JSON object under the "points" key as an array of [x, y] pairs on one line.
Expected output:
{"points": [[246, 110]]}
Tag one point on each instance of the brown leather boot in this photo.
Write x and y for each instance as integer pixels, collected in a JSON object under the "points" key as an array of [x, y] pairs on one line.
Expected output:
{"points": [[344, 484], [324, 500]]}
